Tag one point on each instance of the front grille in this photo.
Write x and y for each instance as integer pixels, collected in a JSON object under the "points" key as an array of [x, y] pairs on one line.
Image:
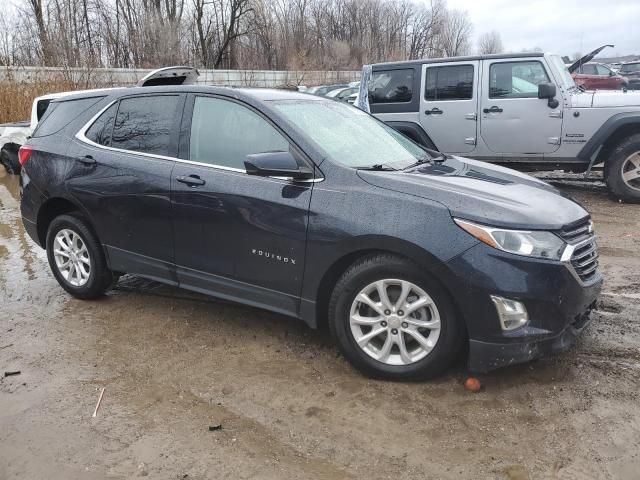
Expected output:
{"points": [[584, 259]]}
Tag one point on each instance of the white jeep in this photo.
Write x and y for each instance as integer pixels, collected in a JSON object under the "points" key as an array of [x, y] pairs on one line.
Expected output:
{"points": [[523, 110]]}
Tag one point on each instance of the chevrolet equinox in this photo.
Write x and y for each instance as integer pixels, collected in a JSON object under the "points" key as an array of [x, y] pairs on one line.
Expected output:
{"points": [[313, 209]]}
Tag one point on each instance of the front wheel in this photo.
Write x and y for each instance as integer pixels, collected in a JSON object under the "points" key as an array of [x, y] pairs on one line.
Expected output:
{"points": [[391, 320], [76, 258], [622, 170]]}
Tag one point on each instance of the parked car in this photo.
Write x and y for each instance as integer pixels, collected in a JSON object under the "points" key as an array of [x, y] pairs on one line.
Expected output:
{"points": [[522, 110], [342, 94], [631, 71], [322, 90], [13, 135], [598, 76], [314, 209]]}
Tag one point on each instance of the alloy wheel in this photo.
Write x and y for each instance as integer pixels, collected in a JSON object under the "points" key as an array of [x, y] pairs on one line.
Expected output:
{"points": [[395, 322], [631, 171], [72, 257]]}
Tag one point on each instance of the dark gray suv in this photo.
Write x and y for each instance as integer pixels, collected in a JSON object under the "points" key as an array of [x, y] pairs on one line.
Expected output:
{"points": [[310, 208]]}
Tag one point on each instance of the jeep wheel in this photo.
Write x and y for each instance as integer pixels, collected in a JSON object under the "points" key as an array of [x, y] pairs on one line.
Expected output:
{"points": [[76, 258], [391, 320], [622, 170]]}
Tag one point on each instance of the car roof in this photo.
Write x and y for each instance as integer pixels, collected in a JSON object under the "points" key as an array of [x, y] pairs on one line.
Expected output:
{"points": [[253, 94], [462, 59]]}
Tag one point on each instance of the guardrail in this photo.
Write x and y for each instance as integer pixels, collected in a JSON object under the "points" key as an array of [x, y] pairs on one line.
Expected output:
{"points": [[124, 76]]}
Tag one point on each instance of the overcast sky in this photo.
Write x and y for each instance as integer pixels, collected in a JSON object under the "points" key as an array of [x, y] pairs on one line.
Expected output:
{"points": [[560, 26]]}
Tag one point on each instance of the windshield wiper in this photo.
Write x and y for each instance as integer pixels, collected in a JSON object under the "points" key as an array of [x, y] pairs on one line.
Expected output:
{"points": [[441, 157], [378, 167]]}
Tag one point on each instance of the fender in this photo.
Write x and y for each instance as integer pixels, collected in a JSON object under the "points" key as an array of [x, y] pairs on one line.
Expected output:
{"points": [[415, 132], [607, 129]]}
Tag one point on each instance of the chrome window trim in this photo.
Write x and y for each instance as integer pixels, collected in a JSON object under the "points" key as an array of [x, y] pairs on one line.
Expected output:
{"points": [[81, 136]]}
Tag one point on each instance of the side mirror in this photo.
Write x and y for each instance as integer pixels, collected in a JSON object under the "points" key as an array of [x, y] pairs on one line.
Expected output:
{"points": [[546, 90], [276, 164]]}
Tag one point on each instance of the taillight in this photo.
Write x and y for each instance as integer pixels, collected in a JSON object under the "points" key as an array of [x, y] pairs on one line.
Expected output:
{"points": [[24, 153]]}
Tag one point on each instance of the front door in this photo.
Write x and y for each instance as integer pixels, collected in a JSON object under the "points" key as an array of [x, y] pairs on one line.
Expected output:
{"points": [[448, 105], [513, 120], [236, 235]]}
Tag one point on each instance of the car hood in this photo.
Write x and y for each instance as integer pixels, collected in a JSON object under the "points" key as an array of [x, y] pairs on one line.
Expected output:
{"points": [[485, 193], [587, 58], [606, 98]]}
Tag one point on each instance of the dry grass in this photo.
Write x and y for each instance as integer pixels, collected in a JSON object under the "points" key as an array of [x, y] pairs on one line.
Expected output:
{"points": [[16, 98]]}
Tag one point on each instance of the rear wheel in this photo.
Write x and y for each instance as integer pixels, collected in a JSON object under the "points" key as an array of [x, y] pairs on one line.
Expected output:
{"points": [[622, 170], [391, 320], [76, 258]]}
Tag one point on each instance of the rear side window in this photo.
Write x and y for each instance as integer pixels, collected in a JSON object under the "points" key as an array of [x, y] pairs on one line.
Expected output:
{"points": [[61, 114], [449, 83], [223, 133], [146, 124], [100, 131], [391, 86], [516, 79]]}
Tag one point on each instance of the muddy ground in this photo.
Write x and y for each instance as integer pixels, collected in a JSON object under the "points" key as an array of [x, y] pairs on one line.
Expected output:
{"points": [[174, 363]]}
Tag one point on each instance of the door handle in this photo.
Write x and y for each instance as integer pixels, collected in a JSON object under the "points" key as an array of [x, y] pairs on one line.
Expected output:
{"points": [[86, 160], [493, 109], [191, 180], [433, 111]]}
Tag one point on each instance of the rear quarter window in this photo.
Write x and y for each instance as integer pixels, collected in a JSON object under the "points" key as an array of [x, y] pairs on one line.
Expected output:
{"points": [[62, 113]]}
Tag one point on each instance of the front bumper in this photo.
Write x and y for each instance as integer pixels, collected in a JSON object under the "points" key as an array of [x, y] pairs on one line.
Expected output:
{"points": [[487, 356], [557, 301]]}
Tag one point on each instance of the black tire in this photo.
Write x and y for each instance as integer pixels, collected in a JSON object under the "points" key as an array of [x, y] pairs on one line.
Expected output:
{"points": [[387, 266], [100, 277], [618, 188], [10, 163]]}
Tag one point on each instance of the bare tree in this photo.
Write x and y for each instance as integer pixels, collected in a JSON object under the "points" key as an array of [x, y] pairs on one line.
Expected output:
{"points": [[456, 34], [490, 42]]}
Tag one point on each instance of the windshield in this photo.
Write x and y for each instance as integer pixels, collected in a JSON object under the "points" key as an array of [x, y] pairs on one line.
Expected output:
{"points": [[350, 136], [631, 67], [560, 68]]}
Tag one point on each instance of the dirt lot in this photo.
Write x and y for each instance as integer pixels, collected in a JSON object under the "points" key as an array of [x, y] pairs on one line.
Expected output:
{"points": [[174, 363]]}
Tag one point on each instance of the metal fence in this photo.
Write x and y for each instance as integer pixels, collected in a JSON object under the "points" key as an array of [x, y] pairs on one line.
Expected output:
{"points": [[123, 76]]}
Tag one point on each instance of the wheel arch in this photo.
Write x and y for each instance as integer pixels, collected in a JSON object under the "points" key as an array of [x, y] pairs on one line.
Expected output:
{"points": [[361, 248], [52, 208], [415, 132], [613, 131]]}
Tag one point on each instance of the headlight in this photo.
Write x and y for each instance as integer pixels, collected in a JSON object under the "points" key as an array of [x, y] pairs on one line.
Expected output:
{"points": [[537, 244]]}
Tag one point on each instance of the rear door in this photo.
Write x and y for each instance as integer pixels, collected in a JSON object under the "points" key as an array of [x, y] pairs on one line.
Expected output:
{"points": [[237, 236], [123, 169], [448, 105], [513, 120]]}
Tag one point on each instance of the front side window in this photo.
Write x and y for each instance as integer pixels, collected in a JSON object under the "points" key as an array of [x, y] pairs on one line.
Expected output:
{"points": [[602, 70], [516, 79], [449, 83], [100, 131], [588, 69], [392, 86], [145, 124], [350, 136], [224, 132]]}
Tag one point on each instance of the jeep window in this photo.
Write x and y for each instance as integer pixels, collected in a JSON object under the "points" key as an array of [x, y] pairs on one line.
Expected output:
{"points": [[449, 83], [391, 86], [349, 136], [219, 133], [145, 124], [100, 131], [516, 79], [62, 113]]}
